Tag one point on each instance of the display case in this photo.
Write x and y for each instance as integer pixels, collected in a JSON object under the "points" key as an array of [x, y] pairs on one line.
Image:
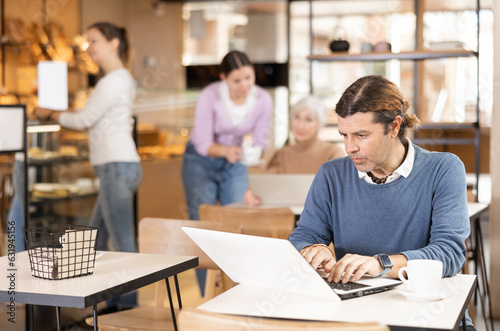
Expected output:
{"points": [[62, 185]]}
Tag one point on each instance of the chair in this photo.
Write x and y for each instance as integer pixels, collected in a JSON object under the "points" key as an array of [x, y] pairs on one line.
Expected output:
{"points": [[265, 222], [191, 319], [161, 236]]}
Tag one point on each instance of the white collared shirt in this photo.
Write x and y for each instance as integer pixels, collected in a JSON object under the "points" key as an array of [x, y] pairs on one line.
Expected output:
{"points": [[403, 170]]}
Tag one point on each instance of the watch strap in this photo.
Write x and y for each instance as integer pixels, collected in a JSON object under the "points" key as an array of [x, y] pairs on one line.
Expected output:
{"points": [[385, 268], [384, 271]]}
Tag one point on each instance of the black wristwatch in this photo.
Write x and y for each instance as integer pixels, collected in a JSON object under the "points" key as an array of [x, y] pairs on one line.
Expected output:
{"points": [[385, 262]]}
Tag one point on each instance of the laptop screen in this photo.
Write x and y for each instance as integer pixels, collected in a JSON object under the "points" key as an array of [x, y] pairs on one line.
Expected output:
{"points": [[281, 190], [261, 261]]}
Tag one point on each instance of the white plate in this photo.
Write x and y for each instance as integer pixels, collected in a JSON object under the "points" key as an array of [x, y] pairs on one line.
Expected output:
{"points": [[410, 295]]}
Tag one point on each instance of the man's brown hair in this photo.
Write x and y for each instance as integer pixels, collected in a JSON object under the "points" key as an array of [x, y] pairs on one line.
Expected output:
{"points": [[379, 95]]}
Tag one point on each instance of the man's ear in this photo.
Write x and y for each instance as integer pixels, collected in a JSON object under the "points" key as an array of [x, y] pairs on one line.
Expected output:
{"points": [[222, 77], [396, 126]]}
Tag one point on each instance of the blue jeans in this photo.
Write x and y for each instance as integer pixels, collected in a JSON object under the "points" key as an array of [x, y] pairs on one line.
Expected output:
{"points": [[16, 211], [114, 212], [208, 180]]}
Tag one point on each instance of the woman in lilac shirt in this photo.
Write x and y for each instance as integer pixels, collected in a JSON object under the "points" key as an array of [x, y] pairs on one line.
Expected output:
{"points": [[227, 110]]}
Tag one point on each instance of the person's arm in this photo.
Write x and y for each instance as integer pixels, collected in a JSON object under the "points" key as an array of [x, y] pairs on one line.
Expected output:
{"points": [[351, 267], [251, 199], [314, 233], [110, 91], [56, 116], [314, 226], [46, 114], [232, 154], [450, 217]]}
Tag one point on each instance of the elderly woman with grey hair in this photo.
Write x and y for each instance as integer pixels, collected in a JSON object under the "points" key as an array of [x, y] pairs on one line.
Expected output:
{"points": [[308, 152]]}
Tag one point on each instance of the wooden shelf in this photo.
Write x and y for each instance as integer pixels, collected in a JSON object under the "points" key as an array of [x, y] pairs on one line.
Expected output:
{"points": [[385, 56]]}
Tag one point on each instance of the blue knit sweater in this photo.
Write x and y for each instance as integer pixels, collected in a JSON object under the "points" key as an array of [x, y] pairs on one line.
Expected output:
{"points": [[423, 216]]}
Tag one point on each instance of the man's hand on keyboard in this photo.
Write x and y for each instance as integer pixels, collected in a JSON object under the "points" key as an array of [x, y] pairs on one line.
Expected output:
{"points": [[352, 267], [319, 256]]}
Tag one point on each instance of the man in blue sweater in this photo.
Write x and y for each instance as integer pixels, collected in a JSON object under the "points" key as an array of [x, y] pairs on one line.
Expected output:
{"points": [[389, 201]]}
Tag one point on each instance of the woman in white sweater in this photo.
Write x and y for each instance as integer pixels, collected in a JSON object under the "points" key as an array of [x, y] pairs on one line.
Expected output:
{"points": [[113, 154]]}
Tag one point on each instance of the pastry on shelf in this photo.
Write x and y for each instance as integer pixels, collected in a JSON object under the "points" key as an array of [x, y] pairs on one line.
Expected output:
{"points": [[68, 150], [37, 153], [44, 41], [60, 190], [8, 99], [63, 50], [51, 190], [22, 38]]}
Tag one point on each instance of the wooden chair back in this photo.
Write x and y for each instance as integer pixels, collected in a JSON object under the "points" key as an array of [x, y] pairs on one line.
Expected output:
{"points": [[265, 222], [165, 236], [192, 319]]}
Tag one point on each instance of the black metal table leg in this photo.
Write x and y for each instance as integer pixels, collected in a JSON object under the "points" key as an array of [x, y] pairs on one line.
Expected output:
{"points": [[30, 317], [172, 310], [96, 326], [178, 291], [58, 318]]}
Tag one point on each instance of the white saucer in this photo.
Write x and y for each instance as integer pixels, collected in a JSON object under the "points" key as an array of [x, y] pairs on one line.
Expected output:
{"points": [[437, 295]]}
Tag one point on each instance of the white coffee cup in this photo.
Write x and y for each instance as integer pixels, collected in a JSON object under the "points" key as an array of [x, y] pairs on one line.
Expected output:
{"points": [[251, 154], [424, 276]]}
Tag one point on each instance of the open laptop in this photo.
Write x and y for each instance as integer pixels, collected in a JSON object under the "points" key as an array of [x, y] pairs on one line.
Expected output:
{"points": [[280, 189], [275, 264]]}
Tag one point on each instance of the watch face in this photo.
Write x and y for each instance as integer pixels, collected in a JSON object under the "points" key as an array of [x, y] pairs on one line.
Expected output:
{"points": [[385, 261]]}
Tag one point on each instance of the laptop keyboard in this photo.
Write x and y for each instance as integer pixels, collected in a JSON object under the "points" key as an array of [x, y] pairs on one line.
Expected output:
{"points": [[345, 287]]}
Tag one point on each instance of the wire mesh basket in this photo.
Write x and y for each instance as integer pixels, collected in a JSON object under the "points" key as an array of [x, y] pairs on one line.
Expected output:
{"points": [[61, 251]]}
